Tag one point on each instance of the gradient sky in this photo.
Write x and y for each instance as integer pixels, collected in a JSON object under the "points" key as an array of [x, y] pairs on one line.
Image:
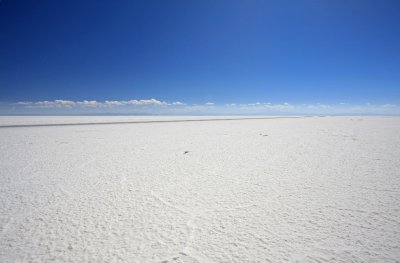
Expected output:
{"points": [[199, 51]]}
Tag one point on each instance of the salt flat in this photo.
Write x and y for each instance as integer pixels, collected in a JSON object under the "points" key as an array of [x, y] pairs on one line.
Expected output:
{"points": [[309, 189]]}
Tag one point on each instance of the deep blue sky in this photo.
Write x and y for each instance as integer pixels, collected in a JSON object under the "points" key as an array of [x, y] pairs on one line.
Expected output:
{"points": [[198, 51]]}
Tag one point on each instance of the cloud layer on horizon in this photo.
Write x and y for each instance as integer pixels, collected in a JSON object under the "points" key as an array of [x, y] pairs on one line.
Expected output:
{"points": [[153, 106], [92, 103]]}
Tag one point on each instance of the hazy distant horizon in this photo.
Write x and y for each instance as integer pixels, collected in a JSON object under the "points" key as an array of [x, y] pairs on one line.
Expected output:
{"points": [[157, 107]]}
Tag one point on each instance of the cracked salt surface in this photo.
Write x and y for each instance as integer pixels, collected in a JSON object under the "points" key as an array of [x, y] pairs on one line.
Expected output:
{"points": [[314, 190]]}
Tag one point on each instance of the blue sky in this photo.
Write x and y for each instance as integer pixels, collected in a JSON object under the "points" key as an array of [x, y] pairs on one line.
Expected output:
{"points": [[299, 53]]}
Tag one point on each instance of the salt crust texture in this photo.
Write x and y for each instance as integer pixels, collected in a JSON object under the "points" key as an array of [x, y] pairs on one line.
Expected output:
{"points": [[316, 189]]}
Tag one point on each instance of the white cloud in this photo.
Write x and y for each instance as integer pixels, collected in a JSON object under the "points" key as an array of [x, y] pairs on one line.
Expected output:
{"points": [[23, 103], [94, 103], [114, 103], [89, 103], [147, 102], [59, 104], [178, 103], [66, 103]]}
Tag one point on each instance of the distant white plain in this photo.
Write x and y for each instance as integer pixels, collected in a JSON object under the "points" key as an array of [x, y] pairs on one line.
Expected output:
{"points": [[316, 189]]}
